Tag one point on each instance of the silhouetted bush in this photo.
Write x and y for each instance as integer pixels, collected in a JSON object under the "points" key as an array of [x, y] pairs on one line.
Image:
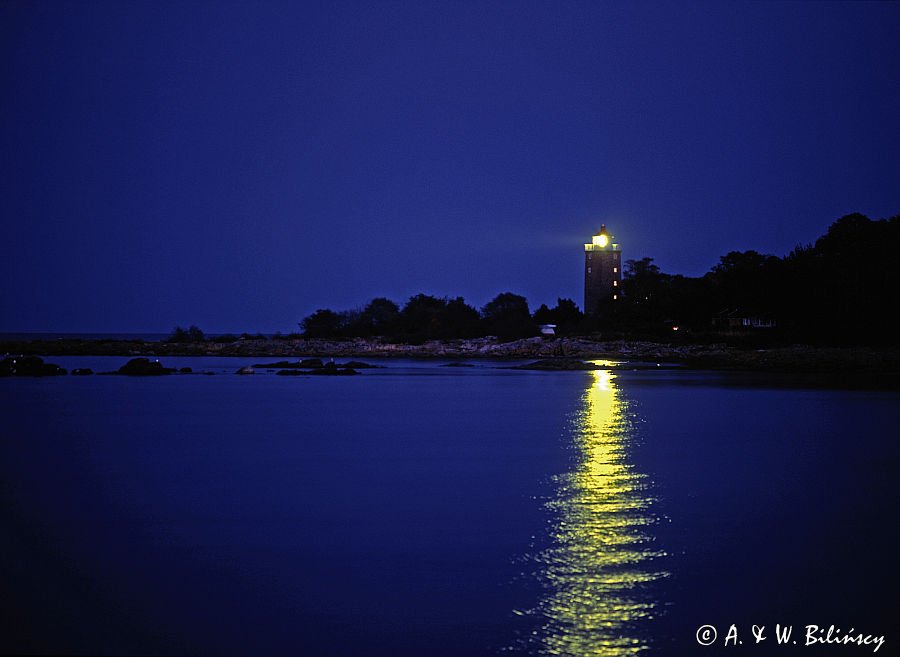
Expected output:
{"points": [[192, 334]]}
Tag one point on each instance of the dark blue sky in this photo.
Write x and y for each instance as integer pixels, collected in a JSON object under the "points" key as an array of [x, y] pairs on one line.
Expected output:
{"points": [[237, 165]]}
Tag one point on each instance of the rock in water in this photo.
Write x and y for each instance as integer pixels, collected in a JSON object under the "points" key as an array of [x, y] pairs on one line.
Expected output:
{"points": [[246, 369], [333, 370], [144, 367], [558, 364], [28, 366]]}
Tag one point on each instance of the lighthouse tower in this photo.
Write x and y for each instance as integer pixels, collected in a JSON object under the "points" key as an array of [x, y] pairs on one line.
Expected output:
{"points": [[602, 271]]}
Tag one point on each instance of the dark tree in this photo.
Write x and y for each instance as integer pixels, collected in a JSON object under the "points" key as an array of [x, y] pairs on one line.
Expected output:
{"points": [[507, 317], [460, 320], [642, 305], [192, 334], [421, 317], [380, 317], [323, 323], [642, 280], [652, 302], [565, 316], [746, 282], [178, 334], [569, 319], [839, 290], [543, 315]]}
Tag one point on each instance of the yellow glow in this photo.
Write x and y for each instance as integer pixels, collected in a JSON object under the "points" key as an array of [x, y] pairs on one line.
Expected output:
{"points": [[598, 568], [601, 240]]}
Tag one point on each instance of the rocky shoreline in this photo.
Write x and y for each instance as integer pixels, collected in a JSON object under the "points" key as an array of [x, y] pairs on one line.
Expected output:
{"points": [[793, 358]]}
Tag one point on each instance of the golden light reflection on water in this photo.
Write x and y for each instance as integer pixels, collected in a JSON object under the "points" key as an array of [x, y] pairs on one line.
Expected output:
{"points": [[601, 558]]}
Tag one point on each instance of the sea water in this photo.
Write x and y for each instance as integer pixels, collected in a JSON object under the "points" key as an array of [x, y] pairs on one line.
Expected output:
{"points": [[417, 509]]}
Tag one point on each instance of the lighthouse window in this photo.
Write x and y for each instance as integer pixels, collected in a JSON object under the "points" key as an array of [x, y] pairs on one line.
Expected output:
{"points": [[589, 270], [615, 283], [615, 270]]}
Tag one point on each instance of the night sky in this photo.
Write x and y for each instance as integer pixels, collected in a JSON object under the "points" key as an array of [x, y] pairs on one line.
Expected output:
{"points": [[237, 165]]}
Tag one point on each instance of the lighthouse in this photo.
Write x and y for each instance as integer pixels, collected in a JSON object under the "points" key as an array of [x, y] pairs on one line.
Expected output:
{"points": [[602, 271]]}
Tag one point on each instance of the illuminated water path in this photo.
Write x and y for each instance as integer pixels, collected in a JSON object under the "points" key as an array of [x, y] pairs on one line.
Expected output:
{"points": [[602, 554]]}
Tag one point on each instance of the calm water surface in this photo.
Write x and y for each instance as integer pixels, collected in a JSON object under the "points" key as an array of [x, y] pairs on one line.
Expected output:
{"points": [[423, 510]]}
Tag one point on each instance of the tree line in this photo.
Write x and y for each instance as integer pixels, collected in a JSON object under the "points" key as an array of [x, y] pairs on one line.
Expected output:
{"points": [[426, 317], [841, 289], [838, 290]]}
